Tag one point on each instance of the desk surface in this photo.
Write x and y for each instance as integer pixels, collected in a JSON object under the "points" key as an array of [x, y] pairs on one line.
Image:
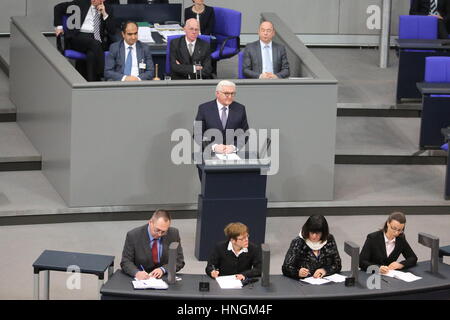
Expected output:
{"points": [[434, 87], [423, 43], [61, 260], [283, 288]]}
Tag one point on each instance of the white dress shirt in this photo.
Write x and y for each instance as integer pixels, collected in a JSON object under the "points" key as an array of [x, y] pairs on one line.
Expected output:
{"points": [[88, 24], [230, 248], [227, 111], [135, 63], [264, 63], [390, 245]]}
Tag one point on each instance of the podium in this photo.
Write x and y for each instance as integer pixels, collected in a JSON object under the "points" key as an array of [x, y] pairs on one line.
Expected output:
{"points": [[231, 191]]}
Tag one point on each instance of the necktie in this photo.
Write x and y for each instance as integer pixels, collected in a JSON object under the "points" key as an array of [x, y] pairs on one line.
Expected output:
{"points": [[97, 26], [224, 117], [155, 251], [433, 6], [268, 67], [191, 49], [128, 63]]}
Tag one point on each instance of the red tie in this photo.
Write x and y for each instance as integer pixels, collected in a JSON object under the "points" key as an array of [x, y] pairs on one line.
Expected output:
{"points": [[155, 251]]}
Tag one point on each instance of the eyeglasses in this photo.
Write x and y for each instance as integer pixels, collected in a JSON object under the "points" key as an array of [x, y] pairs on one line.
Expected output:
{"points": [[158, 231], [228, 94], [395, 229], [243, 238]]}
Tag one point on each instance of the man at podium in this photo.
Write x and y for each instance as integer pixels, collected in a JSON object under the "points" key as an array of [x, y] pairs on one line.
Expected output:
{"points": [[223, 121]]}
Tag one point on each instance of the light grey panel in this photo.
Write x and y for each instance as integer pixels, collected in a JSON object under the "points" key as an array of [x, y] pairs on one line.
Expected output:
{"points": [[302, 16], [121, 148], [10, 8], [42, 13], [353, 15]]}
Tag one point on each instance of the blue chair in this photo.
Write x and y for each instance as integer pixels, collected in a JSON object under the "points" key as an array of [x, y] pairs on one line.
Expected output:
{"points": [[417, 27], [435, 108], [240, 63], [68, 53], [169, 40], [227, 31]]}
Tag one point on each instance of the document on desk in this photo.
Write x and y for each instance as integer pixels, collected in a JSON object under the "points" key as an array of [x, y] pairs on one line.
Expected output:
{"points": [[405, 276], [151, 283], [229, 282], [145, 35], [167, 33], [230, 156], [336, 278], [315, 281]]}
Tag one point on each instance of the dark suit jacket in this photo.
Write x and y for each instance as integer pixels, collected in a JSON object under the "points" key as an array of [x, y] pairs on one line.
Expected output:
{"points": [[422, 7], [107, 27], [374, 252], [252, 65], [115, 61], [137, 251], [179, 52], [247, 264], [207, 19], [208, 115]]}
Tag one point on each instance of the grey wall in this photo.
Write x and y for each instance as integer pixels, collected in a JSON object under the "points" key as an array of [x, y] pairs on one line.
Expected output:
{"points": [[305, 17]]}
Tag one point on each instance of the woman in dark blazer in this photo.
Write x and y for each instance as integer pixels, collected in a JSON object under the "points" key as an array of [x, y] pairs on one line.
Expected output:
{"points": [[383, 247], [203, 13], [313, 252], [236, 256]]}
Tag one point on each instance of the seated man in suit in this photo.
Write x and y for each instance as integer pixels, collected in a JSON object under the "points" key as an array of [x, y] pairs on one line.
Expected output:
{"points": [[91, 35], [129, 59], [190, 55], [226, 116], [146, 250], [265, 59], [437, 8]]}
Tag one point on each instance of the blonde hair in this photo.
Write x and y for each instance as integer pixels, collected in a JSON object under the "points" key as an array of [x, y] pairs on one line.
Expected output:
{"points": [[234, 230]]}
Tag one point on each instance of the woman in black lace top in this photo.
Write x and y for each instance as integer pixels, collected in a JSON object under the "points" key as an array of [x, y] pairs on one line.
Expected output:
{"points": [[313, 252]]}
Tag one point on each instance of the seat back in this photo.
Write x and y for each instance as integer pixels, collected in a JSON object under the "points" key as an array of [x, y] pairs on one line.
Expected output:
{"points": [[169, 40], [417, 27], [240, 63], [227, 24], [437, 69]]}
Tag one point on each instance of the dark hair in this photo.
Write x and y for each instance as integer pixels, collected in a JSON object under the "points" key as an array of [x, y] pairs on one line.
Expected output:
{"points": [[159, 213], [125, 24], [234, 230], [316, 223], [397, 216]]}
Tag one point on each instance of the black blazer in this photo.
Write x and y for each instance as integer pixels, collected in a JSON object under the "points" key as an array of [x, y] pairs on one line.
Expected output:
{"points": [[107, 27], [179, 52], [374, 252], [208, 115], [247, 264], [137, 251], [207, 19], [422, 7]]}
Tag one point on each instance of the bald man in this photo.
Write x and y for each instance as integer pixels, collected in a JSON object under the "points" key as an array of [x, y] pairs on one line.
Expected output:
{"points": [[265, 59], [189, 55]]}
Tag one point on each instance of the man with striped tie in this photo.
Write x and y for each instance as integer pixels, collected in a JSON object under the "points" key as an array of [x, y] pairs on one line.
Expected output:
{"points": [[88, 32], [437, 8]]}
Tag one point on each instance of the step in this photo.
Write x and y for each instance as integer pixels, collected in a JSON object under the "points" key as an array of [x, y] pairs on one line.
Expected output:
{"points": [[369, 140], [16, 151]]}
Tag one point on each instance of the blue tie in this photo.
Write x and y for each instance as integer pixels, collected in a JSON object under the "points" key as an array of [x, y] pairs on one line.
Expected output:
{"points": [[128, 63], [267, 64]]}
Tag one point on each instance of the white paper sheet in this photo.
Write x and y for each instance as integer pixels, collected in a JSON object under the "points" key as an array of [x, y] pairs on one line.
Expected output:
{"points": [[230, 156], [315, 281], [229, 282], [151, 283], [405, 276], [145, 35], [336, 278]]}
